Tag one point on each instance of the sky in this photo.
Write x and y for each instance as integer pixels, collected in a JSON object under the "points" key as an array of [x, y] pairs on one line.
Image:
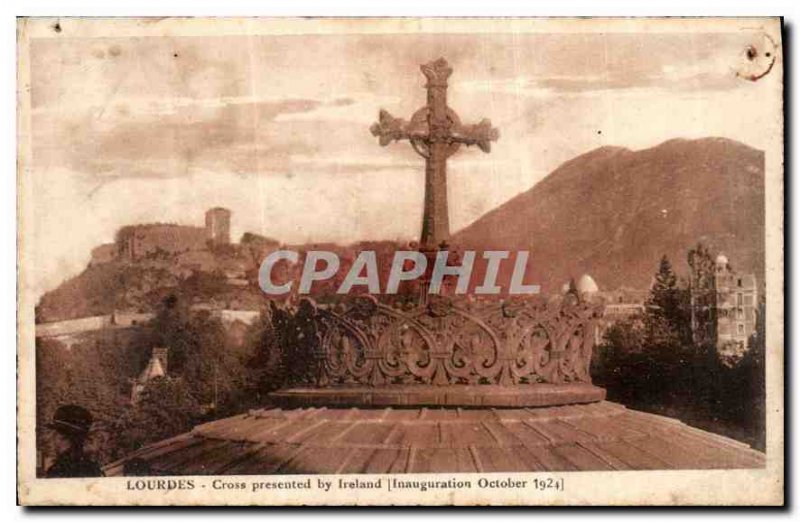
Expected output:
{"points": [[276, 128]]}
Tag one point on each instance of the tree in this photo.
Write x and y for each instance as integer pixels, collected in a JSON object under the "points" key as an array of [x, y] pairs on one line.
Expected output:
{"points": [[703, 296], [266, 361], [613, 359], [93, 373], [645, 360], [667, 309], [165, 408], [207, 379], [201, 352], [749, 384]]}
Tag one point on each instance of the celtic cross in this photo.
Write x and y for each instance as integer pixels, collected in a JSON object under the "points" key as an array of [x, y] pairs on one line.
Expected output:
{"points": [[435, 133]]}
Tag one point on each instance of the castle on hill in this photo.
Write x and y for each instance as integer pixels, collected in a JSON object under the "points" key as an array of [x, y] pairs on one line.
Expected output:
{"points": [[191, 247], [135, 242]]}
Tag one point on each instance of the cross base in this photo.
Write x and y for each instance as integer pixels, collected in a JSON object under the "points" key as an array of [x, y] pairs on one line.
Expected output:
{"points": [[454, 395]]}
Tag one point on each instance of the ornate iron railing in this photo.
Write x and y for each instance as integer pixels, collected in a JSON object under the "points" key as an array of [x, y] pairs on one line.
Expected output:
{"points": [[365, 342]]}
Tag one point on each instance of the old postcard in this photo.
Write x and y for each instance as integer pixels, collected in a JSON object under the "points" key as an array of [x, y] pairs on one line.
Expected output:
{"points": [[400, 261]]}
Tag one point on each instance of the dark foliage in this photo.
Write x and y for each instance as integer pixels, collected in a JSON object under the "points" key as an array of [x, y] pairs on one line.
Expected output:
{"points": [[208, 378], [650, 362], [166, 407]]}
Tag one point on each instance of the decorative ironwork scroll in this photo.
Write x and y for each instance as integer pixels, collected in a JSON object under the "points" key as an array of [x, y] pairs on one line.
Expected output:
{"points": [[441, 343]]}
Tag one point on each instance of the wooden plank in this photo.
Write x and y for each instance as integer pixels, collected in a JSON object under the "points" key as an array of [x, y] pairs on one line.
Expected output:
{"points": [[634, 457], [603, 428], [443, 460], [254, 459], [175, 461], [267, 460], [527, 435], [152, 451], [324, 432], [246, 429], [462, 435], [214, 459], [503, 437], [729, 456], [581, 458], [317, 459], [565, 432], [355, 461], [383, 460], [547, 458], [678, 456], [414, 435], [370, 433], [607, 457], [496, 459], [219, 426]]}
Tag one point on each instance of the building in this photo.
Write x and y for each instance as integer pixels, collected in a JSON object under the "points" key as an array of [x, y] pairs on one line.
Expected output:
{"points": [[104, 253], [622, 304], [136, 242], [618, 305], [160, 353], [585, 288], [218, 226], [724, 306], [140, 241], [736, 306], [156, 367], [586, 285]]}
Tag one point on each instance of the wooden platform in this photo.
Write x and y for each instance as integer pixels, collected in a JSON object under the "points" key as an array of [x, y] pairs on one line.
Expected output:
{"points": [[597, 436]]}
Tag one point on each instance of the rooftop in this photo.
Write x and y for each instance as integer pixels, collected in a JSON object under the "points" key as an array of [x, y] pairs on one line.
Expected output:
{"points": [[597, 436]]}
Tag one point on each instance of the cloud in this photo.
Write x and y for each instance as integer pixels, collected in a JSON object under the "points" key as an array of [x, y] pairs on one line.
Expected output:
{"points": [[361, 107], [355, 164], [697, 77], [167, 141]]}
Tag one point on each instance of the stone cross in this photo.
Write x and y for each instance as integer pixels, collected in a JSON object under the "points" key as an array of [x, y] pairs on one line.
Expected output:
{"points": [[435, 133]]}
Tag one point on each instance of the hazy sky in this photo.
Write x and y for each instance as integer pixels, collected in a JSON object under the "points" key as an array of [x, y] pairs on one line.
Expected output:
{"points": [[276, 128]]}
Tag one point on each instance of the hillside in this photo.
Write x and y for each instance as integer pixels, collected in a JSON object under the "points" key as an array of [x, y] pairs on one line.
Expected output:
{"points": [[226, 277], [613, 212], [140, 287]]}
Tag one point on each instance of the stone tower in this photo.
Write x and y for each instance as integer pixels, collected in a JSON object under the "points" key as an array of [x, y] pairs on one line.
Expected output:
{"points": [[218, 226]]}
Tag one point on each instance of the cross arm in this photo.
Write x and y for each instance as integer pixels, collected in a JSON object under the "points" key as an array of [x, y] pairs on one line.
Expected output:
{"points": [[480, 134], [389, 129]]}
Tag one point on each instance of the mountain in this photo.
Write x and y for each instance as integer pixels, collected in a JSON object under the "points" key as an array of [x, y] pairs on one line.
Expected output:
{"points": [[613, 212]]}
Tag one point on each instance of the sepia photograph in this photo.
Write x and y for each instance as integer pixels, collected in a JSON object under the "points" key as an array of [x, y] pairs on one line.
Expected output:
{"points": [[381, 261]]}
